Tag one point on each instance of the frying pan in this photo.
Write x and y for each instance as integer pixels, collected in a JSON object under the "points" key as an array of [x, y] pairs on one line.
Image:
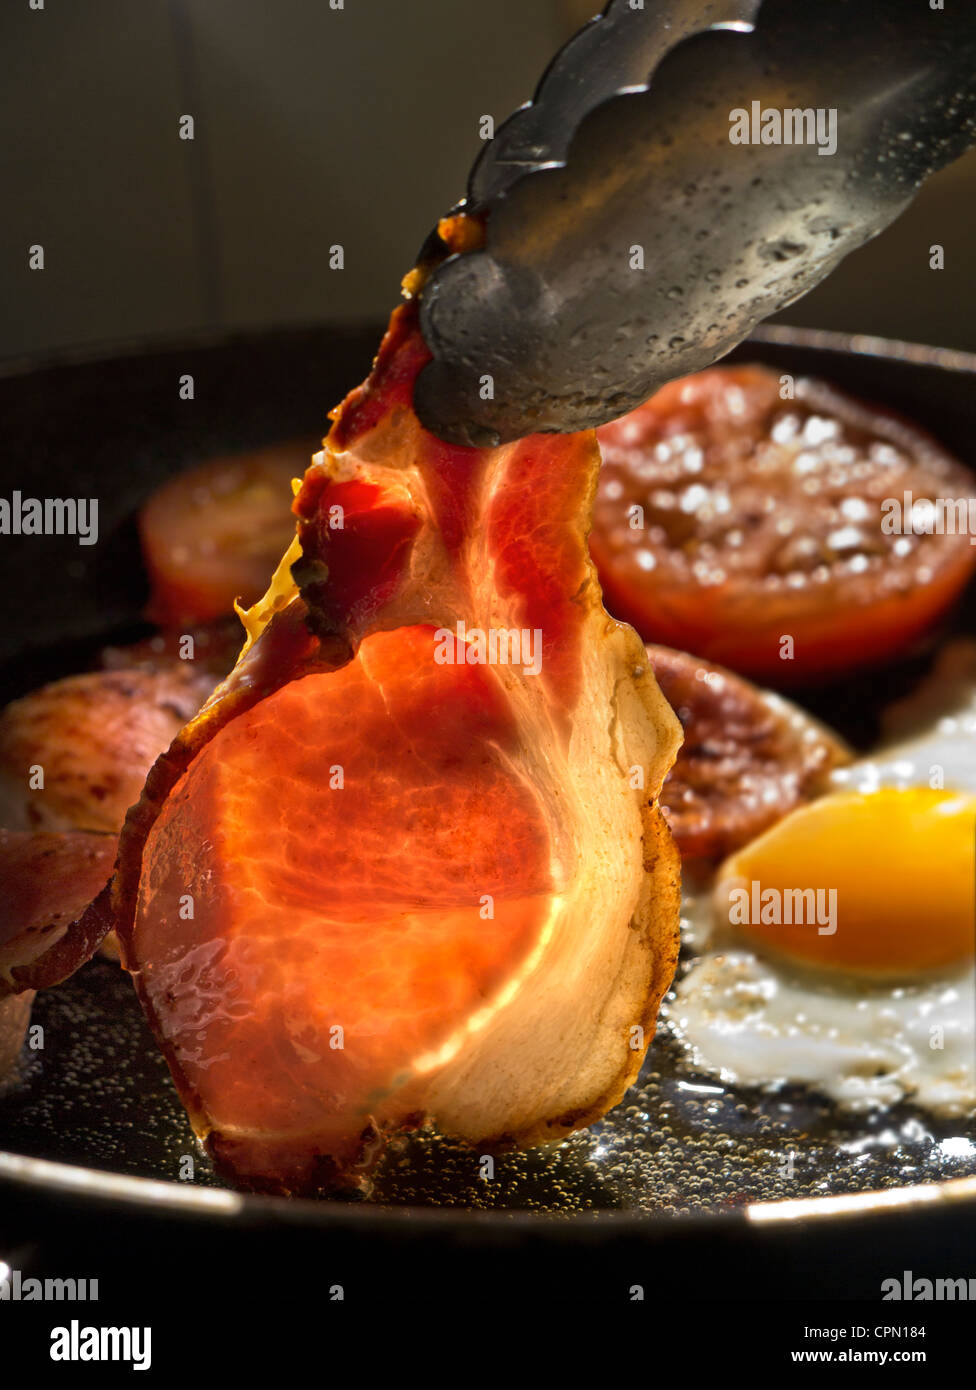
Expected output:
{"points": [[685, 1176]]}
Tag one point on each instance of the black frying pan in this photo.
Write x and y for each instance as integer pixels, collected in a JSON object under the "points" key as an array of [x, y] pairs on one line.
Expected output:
{"points": [[92, 1135]]}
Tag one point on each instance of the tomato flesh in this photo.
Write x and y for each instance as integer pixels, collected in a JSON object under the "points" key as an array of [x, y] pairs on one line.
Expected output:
{"points": [[749, 529], [216, 532]]}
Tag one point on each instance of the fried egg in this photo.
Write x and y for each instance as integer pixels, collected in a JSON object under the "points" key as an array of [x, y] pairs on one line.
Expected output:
{"points": [[837, 949]]}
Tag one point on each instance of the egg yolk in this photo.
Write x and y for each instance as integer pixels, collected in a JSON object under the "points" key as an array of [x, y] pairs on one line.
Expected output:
{"points": [[880, 883]]}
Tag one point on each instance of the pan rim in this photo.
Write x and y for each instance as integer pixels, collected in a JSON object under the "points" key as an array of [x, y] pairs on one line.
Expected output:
{"points": [[54, 1177], [25, 1172]]}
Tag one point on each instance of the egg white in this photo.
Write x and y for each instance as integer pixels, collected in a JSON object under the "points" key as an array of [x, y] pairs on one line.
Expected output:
{"points": [[753, 1021]]}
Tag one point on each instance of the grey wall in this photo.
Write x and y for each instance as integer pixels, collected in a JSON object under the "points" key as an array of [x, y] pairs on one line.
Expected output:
{"points": [[312, 127]]}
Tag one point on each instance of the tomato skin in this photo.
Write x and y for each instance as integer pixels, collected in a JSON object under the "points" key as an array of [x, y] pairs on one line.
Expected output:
{"points": [[215, 533], [826, 645], [757, 577]]}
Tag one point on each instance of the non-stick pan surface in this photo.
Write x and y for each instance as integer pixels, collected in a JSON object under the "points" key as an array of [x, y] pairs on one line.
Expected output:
{"points": [[98, 1097]]}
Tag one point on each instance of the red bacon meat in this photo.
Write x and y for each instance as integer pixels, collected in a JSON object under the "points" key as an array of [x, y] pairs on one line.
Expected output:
{"points": [[397, 870]]}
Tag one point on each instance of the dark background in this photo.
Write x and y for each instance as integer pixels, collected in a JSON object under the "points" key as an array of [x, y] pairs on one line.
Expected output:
{"points": [[313, 127]]}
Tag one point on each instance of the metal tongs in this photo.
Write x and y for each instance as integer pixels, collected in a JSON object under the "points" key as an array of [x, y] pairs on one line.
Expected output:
{"points": [[637, 226]]}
